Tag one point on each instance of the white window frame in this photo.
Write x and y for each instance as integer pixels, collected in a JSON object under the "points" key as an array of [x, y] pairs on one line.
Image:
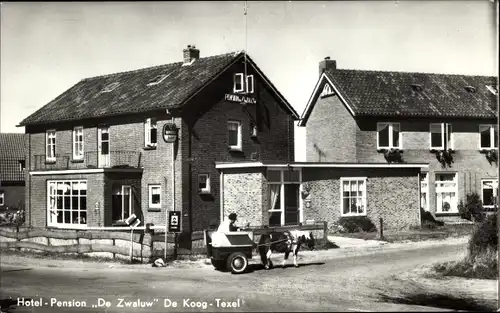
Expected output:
{"points": [[446, 128], [238, 146], [2, 197], [492, 128], [150, 197], [205, 190], [350, 179], [238, 78], [149, 124], [494, 182], [250, 78], [130, 202], [52, 214], [391, 125], [441, 189], [327, 90], [78, 131], [50, 147], [424, 190], [282, 184]]}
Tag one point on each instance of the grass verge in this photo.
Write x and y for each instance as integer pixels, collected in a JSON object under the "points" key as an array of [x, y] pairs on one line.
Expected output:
{"points": [[481, 266]]}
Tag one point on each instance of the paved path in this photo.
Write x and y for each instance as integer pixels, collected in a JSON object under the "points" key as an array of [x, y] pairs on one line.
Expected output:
{"points": [[325, 281]]}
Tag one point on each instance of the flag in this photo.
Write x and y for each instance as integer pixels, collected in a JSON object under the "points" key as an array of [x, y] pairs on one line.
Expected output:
{"points": [[246, 8]]}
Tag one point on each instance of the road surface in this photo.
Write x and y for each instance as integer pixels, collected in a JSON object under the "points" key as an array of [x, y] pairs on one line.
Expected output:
{"points": [[349, 283]]}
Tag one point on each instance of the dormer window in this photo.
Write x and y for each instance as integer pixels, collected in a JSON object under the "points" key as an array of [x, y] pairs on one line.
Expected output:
{"points": [[158, 79], [110, 87], [470, 89], [493, 89], [417, 87], [239, 83]]}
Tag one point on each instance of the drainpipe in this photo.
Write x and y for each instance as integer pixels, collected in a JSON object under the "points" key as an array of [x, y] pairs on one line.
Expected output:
{"points": [[419, 198], [221, 195]]}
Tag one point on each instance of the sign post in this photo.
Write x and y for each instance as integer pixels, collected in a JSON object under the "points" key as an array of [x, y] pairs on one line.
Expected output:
{"points": [[170, 136], [132, 221], [174, 226]]}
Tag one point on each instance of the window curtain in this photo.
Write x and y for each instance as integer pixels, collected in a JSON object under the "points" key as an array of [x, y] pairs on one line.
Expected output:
{"points": [[275, 193]]}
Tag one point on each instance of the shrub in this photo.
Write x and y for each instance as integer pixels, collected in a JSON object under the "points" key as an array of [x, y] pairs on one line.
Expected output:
{"points": [[484, 237], [356, 224], [428, 220], [472, 209]]}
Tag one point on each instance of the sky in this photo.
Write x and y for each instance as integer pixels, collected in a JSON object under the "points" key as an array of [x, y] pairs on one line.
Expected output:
{"points": [[47, 47]]}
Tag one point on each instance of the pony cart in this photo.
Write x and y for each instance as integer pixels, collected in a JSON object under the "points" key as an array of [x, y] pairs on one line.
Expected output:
{"points": [[230, 250]]}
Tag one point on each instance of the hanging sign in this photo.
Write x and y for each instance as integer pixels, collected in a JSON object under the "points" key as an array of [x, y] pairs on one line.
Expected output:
{"points": [[240, 98]]}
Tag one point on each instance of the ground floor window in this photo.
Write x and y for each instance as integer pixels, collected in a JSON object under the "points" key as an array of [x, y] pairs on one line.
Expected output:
{"points": [[446, 193], [67, 203], [284, 199], [353, 196], [489, 193], [2, 198], [155, 196], [424, 191], [121, 203]]}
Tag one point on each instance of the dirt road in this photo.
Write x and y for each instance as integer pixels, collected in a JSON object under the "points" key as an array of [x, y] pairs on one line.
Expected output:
{"points": [[323, 282]]}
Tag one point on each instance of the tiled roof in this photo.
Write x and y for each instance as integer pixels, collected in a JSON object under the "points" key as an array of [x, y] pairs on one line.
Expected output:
{"points": [[406, 94], [86, 99], [378, 93], [12, 146], [12, 150]]}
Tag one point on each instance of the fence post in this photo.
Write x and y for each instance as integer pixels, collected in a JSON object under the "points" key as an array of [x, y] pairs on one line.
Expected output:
{"points": [[325, 232], [381, 229], [114, 254]]}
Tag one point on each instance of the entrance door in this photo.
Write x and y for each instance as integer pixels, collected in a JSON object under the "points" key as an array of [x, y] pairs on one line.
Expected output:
{"points": [[121, 203], [292, 204], [103, 147]]}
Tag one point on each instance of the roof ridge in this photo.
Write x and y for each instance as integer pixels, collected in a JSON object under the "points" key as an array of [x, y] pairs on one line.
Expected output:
{"points": [[403, 72], [156, 66]]}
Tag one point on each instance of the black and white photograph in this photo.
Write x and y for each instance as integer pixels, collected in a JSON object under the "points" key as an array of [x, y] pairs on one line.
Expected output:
{"points": [[249, 156]]}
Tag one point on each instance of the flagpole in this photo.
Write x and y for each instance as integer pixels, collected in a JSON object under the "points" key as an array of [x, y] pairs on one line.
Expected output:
{"points": [[246, 44]]}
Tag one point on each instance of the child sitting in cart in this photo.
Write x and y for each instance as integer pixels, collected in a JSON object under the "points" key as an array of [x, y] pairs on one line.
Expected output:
{"points": [[228, 225]]}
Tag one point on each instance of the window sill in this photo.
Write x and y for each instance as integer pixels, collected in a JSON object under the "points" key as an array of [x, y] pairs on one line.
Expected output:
{"points": [[77, 161], [149, 148], [50, 161], [204, 192], [434, 150], [74, 226], [352, 215], [447, 214], [154, 209], [486, 150], [234, 149], [387, 149]]}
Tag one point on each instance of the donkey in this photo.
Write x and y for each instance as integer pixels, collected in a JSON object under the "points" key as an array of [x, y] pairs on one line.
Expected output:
{"points": [[283, 242]]}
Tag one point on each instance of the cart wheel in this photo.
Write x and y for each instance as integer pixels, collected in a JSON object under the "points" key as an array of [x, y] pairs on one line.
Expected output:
{"points": [[237, 263], [218, 264]]}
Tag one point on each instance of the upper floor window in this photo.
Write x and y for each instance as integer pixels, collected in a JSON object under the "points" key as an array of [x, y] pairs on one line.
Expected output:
{"points": [[488, 137], [50, 147], [388, 136], [234, 135], [204, 183], [22, 165], [239, 84], [441, 136], [150, 133], [78, 143]]}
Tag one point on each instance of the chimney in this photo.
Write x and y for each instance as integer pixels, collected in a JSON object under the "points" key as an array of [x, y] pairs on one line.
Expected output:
{"points": [[191, 54], [327, 64]]}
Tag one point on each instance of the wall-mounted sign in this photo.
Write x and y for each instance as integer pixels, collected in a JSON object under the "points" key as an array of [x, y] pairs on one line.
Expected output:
{"points": [[174, 221], [169, 132], [240, 98]]}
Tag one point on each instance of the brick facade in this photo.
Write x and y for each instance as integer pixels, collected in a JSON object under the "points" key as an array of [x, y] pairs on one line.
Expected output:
{"points": [[334, 135], [203, 140], [391, 194]]}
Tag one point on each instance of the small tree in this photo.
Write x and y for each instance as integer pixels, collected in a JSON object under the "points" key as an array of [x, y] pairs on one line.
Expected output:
{"points": [[473, 209]]}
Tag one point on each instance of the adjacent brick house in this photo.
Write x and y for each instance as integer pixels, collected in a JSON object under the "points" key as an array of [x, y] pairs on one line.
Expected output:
{"points": [[12, 171], [447, 121], [264, 193], [97, 154]]}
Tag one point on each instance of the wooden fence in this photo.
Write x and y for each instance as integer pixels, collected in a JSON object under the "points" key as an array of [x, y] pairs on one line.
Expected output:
{"points": [[117, 244]]}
